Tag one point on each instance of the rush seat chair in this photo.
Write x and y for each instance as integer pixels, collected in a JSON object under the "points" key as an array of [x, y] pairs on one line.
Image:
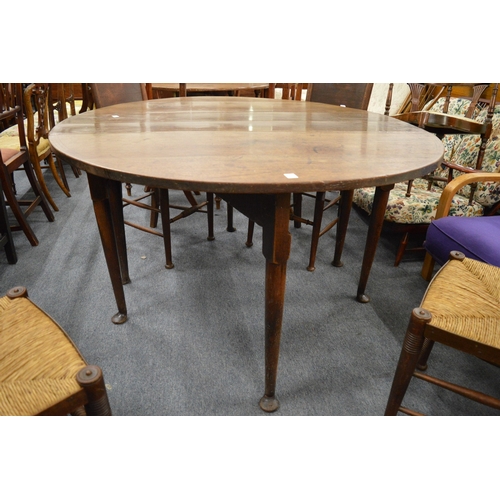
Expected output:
{"points": [[460, 310], [41, 370]]}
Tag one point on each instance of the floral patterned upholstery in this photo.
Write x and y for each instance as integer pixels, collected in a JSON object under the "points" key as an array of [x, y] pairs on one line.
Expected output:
{"points": [[420, 207]]}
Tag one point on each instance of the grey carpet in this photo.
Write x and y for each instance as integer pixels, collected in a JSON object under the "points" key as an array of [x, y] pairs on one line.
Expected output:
{"points": [[194, 341]]}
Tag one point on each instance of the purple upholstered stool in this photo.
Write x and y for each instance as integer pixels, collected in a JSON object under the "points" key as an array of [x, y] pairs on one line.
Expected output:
{"points": [[477, 237]]}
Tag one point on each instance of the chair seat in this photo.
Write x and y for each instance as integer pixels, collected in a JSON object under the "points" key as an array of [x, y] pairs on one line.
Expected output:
{"points": [[8, 153], [447, 234], [461, 310], [9, 139], [418, 208], [464, 300], [38, 362]]}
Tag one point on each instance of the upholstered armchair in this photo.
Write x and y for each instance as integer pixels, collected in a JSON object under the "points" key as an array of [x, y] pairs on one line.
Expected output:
{"points": [[475, 237], [412, 210]]}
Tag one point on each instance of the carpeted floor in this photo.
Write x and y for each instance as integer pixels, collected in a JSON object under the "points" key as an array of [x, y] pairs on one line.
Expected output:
{"points": [[194, 341]]}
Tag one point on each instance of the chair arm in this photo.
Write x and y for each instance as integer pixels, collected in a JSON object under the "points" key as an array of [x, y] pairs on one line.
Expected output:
{"points": [[456, 166], [458, 183]]}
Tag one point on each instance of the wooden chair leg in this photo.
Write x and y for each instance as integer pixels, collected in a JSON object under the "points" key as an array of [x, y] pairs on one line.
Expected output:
{"points": [[230, 226], [408, 359], [92, 381], [344, 213], [18, 211], [401, 249], [6, 236], [316, 228], [165, 222], [62, 173], [424, 354], [153, 218], [37, 190], [427, 267], [210, 216], [59, 176], [43, 186], [251, 226], [297, 208]]}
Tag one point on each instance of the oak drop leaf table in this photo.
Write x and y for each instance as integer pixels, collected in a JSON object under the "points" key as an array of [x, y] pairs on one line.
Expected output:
{"points": [[253, 153]]}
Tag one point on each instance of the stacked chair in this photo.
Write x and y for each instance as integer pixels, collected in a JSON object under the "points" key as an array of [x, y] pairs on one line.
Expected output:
{"points": [[16, 158]]}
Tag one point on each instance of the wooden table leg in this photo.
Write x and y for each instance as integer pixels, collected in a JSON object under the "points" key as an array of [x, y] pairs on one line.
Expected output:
{"points": [[374, 229], [272, 212], [115, 199], [104, 206]]}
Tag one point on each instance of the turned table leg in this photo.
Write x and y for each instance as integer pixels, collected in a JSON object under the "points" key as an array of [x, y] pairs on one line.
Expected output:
{"points": [[106, 206], [272, 212]]}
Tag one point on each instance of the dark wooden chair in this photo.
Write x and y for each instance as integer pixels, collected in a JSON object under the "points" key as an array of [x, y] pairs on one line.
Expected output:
{"points": [[15, 158], [351, 95], [37, 108], [6, 240], [41, 370], [107, 94], [63, 103], [460, 310], [87, 98], [452, 117]]}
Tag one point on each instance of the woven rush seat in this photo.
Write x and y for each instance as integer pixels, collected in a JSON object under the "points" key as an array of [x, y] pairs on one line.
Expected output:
{"points": [[449, 301], [41, 370], [460, 309]]}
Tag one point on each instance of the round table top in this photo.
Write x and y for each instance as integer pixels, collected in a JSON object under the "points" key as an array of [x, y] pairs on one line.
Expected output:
{"points": [[245, 145], [212, 87]]}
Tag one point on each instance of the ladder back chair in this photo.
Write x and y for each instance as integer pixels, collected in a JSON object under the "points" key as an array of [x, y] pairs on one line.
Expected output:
{"points": [[352, 95], [107, 94]]}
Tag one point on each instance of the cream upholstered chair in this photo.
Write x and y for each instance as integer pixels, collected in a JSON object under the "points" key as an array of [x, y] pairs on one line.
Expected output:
{"points": [[412, 205], [460, 310], [41, 370]]}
